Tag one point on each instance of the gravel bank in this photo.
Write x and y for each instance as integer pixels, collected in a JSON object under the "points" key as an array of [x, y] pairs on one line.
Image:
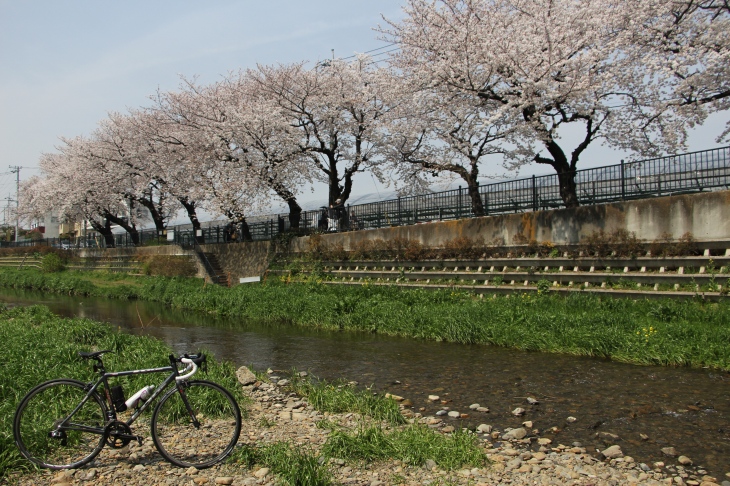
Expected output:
{"points": [[517, 457]]}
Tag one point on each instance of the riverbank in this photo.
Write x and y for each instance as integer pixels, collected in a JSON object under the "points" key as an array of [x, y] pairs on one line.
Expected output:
{"points": [[663, 332], [286, 437], [304, 432]]}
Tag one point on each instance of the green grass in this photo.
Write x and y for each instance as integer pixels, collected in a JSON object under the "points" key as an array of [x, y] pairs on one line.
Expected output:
{"points": [[342, 397], [690, 333], [295, 466], [413, 445], [39, 346]]}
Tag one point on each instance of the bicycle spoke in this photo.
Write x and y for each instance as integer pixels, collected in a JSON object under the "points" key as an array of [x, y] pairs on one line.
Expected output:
{"points": [[46, 434], [186, 444]]}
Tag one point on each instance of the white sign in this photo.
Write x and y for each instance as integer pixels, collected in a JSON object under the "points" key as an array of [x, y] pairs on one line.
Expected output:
{"points": [[249, 279]]}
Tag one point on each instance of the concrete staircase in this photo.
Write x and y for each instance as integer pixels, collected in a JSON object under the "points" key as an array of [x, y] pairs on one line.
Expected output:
{"points": [[642, 277], [214, 269]]}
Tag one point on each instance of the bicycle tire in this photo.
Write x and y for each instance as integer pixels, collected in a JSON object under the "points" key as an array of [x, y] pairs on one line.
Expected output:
{"points": [[39, 415], [176, 437]]}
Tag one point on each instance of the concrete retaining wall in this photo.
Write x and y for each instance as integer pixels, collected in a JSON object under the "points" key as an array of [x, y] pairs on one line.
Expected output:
{"points": [[245, 259], [705, 215]]}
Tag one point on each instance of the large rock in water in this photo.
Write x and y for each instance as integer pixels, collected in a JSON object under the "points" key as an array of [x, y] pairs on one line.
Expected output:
{"points": [[612, 452], [245, 376], [515, 434]]}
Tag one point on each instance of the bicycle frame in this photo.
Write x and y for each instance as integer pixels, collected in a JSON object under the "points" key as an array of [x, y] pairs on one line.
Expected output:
{"points": [[111, 413]]}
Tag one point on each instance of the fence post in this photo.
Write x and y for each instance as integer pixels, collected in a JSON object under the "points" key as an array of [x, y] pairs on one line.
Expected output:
{"points": [[534, 194], [458, 205], [400, 223], [623, 181], [486, 200]]}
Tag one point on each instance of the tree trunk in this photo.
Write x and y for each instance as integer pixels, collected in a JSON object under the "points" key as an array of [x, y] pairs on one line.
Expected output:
{"points": [[568, 188], [104, 230], [131, 229], [565, 171], [477, 207], [245, 231], [295, 213], [157, 218], [193, 216]]}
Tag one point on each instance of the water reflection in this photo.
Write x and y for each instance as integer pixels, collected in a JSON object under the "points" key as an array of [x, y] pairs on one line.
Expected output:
{"points": [[683, 408]]}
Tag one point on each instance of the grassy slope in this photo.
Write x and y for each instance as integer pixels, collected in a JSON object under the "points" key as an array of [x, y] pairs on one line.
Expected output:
{"points": [[38, 346], [666, 332]]}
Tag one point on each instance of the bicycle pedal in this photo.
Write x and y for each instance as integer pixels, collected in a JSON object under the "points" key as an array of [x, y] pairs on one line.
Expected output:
{"points": [[140, 439]]}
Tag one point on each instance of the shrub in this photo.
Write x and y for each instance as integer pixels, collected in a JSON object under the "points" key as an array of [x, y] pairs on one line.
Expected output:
{"points": [[52, 263], [463, 247], [621, 243]]}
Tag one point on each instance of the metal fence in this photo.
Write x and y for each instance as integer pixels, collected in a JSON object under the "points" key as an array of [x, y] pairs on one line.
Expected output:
{"points": [[693, 172]]}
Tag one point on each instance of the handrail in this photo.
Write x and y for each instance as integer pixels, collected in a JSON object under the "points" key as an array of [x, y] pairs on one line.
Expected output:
{"points": [[206, 263], [675, 174]]}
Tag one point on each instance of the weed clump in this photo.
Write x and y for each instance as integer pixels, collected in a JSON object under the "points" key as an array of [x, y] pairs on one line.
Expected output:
{"points": [[168, 265], [341, 396], [413, 445], [52, 263]]}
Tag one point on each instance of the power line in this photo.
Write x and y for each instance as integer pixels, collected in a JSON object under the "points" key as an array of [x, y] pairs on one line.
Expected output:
{"points": [[368, 52]]}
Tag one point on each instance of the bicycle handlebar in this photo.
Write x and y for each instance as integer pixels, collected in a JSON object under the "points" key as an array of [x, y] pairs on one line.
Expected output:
{"points": [[192, 362]]}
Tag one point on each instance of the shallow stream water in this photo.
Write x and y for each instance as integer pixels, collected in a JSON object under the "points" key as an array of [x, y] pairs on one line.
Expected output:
{"points": [[683, 408]]}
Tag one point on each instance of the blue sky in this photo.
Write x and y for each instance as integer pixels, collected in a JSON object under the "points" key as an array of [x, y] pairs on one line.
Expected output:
{"points": [[65, 64]]}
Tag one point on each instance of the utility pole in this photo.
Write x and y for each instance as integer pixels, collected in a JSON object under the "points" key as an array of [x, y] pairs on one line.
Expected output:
{"points": [[16, 170], [7, 200]]}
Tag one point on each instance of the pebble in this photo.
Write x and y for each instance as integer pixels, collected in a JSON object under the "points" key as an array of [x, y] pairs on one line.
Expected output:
{"points": [[612, 452], [245, 376], [484, 428], [570, 420], [511, 460], [684, 460], [434, 398], [454, 414], [669, 451], [515, 434], [518, 411]]}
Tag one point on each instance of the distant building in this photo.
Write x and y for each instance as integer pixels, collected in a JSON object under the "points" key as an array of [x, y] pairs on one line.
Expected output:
{"points": [[47, 225]]}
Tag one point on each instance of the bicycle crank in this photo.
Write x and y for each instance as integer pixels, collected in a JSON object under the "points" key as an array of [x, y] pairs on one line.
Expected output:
{"points": [[118, 434]]}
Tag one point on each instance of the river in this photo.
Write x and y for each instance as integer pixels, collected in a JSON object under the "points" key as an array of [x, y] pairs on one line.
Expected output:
{"points": [[688, 409]]}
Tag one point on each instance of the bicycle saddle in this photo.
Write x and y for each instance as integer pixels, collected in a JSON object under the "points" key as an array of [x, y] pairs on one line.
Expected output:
{"points": [[93, 355]]}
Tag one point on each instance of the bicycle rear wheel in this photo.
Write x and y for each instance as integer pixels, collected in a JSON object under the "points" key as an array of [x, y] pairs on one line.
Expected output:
{"points": [[183, 442], [49, 435]]}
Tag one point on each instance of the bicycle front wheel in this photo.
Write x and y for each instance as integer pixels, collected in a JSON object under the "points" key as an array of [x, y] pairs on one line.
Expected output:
{"points": [[55, 428], [197, 425]]}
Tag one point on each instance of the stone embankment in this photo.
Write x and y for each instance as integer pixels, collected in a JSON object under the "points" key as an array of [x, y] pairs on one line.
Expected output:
{"points": [[517, 456]]}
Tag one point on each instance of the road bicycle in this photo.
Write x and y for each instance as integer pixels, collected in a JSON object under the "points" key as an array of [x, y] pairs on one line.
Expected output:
{"points": [[65, 423]]}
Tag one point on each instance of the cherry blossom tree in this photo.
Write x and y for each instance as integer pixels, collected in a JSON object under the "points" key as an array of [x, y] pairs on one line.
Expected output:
{"points": [[437, 130], [548, 65], [69, 187], [124, 150], [336, 110], [260, 137], [230, 186], [683, 50]]}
